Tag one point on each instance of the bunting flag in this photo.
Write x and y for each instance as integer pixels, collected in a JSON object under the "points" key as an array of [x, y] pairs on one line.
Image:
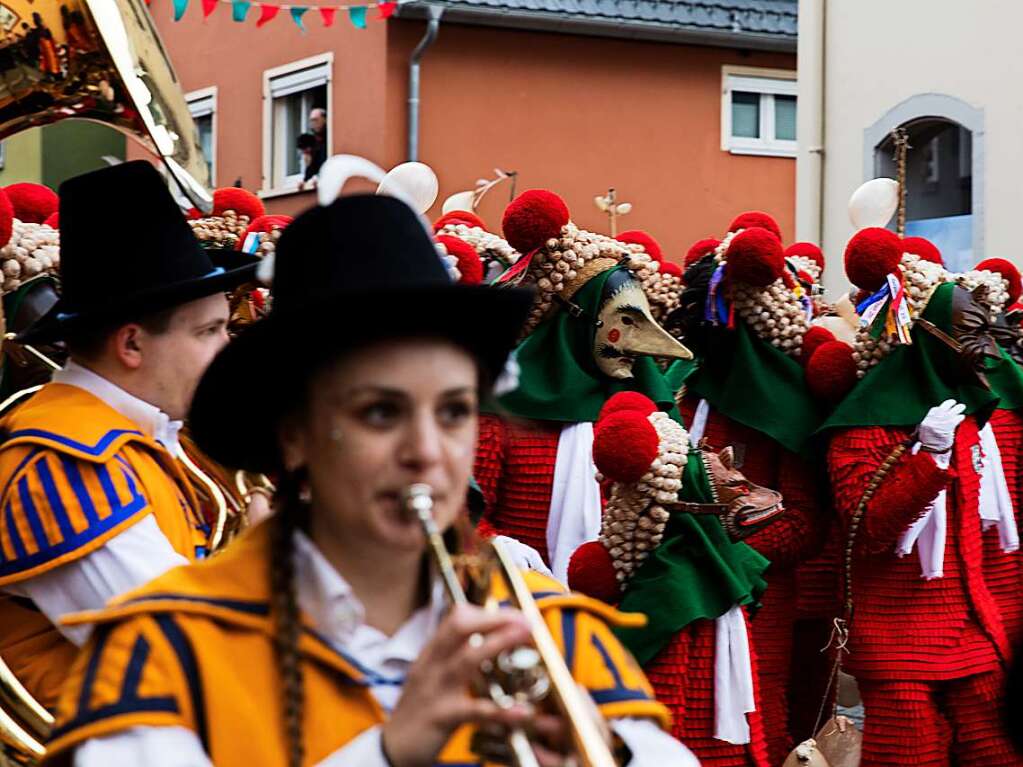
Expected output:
{"points": [[358, 15], [239, 9], [267, 13], [296, 16]]}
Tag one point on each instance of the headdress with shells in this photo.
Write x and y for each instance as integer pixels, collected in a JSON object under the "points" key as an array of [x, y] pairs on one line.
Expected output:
{"points": [[233, 210], [643, 453], [495, 254], [756, 282], [877, 260], [28, 228], [559, 257]]}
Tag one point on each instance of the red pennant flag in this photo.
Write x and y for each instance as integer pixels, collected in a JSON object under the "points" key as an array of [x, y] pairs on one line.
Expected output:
{"points": [[328, 16], [267, 14], [386, 9], [208, 6]]}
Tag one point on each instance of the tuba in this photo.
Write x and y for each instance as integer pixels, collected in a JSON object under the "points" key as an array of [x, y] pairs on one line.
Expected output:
{"points": [[99, 60], [536, 674]]}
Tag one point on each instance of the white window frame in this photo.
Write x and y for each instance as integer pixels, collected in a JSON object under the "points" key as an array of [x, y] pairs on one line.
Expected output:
{"points": [[203, 102], [289, 184], [768, 83]]}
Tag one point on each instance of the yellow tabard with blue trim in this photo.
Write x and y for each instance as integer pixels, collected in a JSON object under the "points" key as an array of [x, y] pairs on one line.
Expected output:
{"points": [[73, 474], [194, 649]]}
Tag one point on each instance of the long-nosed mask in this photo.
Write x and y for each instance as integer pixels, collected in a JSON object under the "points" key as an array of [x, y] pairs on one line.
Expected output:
{"points": [[626, 329]]}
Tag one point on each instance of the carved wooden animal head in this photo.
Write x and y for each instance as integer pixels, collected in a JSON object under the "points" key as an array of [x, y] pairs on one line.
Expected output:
{"points": [[747, 506]]}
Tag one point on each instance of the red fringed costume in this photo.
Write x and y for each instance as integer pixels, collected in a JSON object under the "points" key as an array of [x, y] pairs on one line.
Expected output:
{"points": [[1004, 570], [689, 657], [786, 542], [927, 653], [515, 470]]}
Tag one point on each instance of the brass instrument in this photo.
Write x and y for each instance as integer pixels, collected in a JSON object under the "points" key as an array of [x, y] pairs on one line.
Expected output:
{"points": [[99, 60], [526, 674]]}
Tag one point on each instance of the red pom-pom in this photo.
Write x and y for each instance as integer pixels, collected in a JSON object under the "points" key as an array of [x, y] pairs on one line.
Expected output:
{"points": [[670, 267], [469, 263], [32, 203], [871, 255], [533, 218], [624, 445], [241, 201], [831, 371], [485, 530], [591, 572], [755, 218], [814, 338], [193, 214], [806, 250], [459, 217], [921, 246], [755, 257], [1009, 273], [6, 218], [627, 400], [699, 249], [53, 221], [639, 237]]}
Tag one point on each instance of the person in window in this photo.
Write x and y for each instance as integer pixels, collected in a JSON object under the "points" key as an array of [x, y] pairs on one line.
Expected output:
{"points": [[95, 501], [313, 155], [322, 636]]}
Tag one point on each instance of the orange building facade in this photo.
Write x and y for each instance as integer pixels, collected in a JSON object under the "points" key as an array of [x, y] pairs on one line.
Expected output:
{"points": [[575, 113]]}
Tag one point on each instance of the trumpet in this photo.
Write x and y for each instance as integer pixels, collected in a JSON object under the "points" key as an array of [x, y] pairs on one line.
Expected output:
{"points": [[536, 674]]}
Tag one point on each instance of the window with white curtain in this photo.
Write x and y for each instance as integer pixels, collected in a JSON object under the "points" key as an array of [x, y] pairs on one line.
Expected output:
{"points": [[290, 93], [758, 115]]}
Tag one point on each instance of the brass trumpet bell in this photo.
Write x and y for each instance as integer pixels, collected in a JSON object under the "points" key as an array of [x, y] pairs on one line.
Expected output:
{"points": [[99, 60]]}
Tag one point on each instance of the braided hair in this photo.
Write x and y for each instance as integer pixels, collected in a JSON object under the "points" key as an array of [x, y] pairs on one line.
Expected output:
{"points": [[292, 514]]}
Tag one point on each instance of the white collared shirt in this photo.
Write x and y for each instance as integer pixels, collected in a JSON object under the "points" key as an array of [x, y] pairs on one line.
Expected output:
{"points": [[339, 618], [131, 558], [152, 421]]}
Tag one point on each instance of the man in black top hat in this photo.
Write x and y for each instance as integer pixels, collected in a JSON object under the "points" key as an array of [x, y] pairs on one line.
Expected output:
{"points": [[94, 500]]}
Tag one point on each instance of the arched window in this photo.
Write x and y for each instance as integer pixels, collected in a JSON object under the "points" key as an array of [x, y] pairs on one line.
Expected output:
{"points": [[943, 180]]}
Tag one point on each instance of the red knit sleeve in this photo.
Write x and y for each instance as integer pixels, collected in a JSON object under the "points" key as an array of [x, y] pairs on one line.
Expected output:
{"points": [[902, 497], [799, 532], [490, 455]]}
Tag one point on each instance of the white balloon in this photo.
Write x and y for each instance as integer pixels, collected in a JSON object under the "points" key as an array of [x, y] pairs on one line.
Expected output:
{"points": [[458, 201], [874, 203], [416, 180]]}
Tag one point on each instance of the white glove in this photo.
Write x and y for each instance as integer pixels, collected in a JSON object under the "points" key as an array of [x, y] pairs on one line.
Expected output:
{"points": [[524, 556], [937, 431]]}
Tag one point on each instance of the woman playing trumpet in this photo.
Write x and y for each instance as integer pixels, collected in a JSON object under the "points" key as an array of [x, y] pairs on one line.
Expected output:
{"points": [[322, 637]]}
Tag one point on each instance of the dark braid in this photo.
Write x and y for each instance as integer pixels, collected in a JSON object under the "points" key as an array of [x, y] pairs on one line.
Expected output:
{"points": [[290, 515]]}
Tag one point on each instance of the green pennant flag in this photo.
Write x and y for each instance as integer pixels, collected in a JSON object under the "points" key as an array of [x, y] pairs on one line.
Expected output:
{"points": [[239, 8], [358, 17], [296, 16], [179, 9]]}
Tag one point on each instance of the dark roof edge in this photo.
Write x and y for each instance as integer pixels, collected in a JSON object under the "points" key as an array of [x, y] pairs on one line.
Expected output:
{"points": [[628, 29]]}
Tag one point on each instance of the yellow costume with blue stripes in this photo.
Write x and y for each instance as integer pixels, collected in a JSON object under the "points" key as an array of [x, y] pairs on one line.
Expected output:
{"points": [[194, 649], [73, 474]]}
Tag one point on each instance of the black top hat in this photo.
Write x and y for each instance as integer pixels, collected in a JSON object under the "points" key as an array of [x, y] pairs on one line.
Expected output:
{"points": [[152, 261], [364, 261]]}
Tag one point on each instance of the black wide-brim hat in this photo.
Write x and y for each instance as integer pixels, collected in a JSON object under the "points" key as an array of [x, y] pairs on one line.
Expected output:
{"points": [[360, 270], [127, 251]]}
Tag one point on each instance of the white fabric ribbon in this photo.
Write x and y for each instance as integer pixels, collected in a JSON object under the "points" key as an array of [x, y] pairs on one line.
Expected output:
{"points": [[575, 510], [930, 532], [733, 672], [733, 678], [995, 500]]}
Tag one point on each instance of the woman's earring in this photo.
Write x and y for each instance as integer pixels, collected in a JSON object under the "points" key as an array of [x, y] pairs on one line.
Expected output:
{"points": [[305, 493]]}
